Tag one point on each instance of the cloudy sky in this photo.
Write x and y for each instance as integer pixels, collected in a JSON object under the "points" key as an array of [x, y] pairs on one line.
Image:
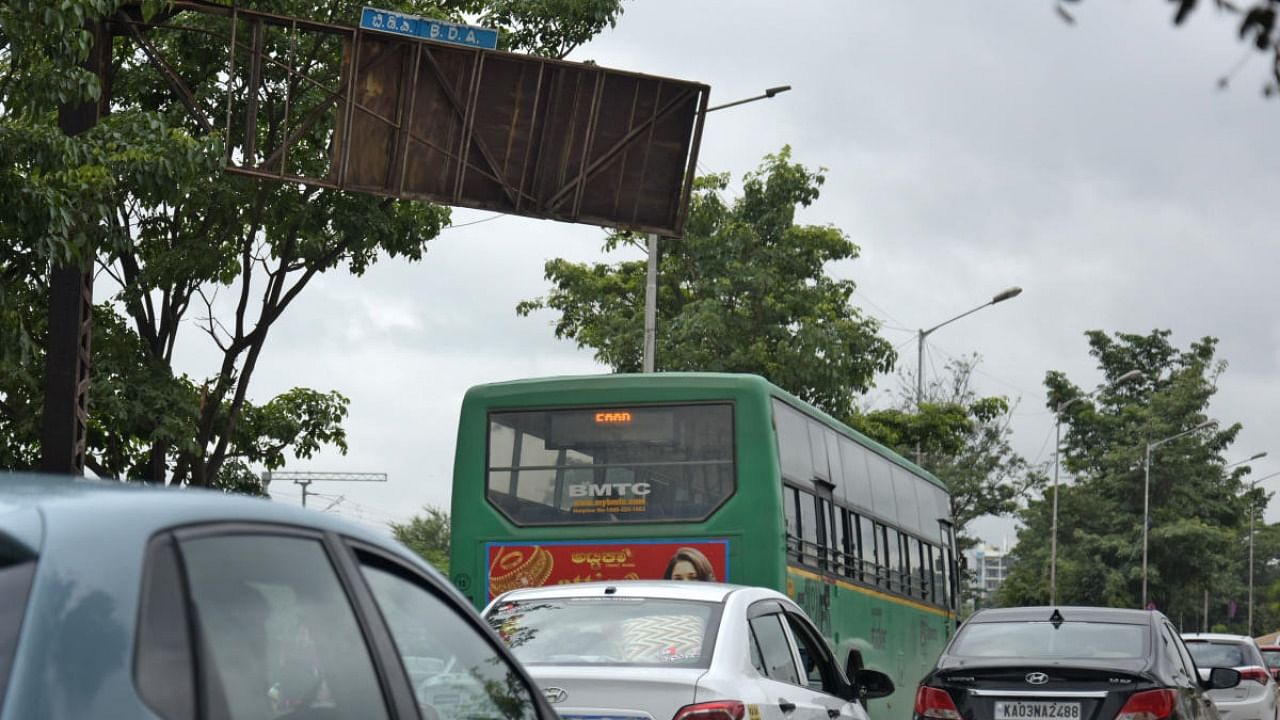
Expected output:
{"points": [[970, 146]]}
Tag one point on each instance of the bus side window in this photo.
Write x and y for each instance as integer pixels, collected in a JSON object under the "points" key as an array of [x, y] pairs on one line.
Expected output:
{"points": [[867, 548], [843, 549], [906, 565], [856, 546], [790, 508], [926, 571], [939, 576], [892, 558], [824, 543], [808, 528]]}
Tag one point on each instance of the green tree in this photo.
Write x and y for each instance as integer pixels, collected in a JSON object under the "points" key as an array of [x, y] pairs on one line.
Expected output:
{"points": [[427, 535], [745, 290], [180, 246], [963, 439], [1197, 508]]}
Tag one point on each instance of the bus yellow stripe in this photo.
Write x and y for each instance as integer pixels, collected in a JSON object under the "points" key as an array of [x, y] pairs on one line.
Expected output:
{"points": [[873, 593]]}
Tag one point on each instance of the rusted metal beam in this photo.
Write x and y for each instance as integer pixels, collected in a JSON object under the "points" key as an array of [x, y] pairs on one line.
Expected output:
{"points": [[175, 83], [64, 435], [617, 147]]}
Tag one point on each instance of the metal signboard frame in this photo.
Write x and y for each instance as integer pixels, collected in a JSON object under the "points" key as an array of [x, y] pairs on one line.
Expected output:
{"points": [[408, 118]]}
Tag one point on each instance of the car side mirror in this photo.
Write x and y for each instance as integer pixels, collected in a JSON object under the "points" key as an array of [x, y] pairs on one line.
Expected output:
{"points": [[872, 684], [1221, 678]]}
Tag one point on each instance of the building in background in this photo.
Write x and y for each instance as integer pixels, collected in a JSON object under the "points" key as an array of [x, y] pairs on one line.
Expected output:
{"points": [[988, 568]]}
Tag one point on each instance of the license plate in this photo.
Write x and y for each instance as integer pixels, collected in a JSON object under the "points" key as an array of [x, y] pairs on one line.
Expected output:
{"points": [[1026, 710]]}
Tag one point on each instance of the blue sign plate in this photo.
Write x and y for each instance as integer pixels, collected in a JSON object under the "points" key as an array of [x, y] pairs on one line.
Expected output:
{"points": [[398, 23]]}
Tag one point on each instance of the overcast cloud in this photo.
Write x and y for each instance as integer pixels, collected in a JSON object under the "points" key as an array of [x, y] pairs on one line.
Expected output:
{"points": [[970, 146]]}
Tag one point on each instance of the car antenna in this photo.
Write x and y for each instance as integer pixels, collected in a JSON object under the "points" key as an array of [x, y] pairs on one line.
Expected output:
{"points": [[1056, 619], [610, 590]]}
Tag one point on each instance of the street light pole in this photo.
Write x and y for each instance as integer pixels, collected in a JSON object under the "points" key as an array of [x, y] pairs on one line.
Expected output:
{"points": [[1057, 454], [1146, 495], [651, 275], [1253, 510], [922, 334]]}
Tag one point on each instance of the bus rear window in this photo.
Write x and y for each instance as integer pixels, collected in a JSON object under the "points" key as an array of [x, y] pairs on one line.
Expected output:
{"points": [[611, 464]]}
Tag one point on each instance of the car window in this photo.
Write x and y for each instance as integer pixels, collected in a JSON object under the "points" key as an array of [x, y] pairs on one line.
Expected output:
{"points": [[608, 630], [775, 649], [163, 666], [278, 634], [757, 658], [1272, 658], [1049, 640], [456, 673], [1170, 646], [15, 583], [814, 658], [1217, 654]]}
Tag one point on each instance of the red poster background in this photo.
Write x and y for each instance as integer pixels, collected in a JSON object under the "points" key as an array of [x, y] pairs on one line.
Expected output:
{"points": [[517, 565]]}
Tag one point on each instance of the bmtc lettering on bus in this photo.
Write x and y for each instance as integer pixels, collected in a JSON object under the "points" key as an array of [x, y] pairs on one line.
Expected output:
{"points": [[609, 489]]}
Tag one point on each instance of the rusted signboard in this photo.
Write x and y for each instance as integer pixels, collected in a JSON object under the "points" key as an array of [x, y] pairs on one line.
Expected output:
{"points": [[414, 119]]}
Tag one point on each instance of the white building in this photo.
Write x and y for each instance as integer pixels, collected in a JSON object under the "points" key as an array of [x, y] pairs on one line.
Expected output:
{"points": [[988, 568]]}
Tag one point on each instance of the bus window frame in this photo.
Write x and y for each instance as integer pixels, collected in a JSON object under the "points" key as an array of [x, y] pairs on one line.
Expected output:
{"points": [[734, 464]]}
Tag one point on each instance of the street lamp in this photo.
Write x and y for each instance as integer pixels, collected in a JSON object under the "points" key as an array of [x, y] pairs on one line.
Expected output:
{"points": [[1012, 292], [1057, 453], [1253, 511], [1001, 296], [1146, 494], [651, 276], [1258, 456]]}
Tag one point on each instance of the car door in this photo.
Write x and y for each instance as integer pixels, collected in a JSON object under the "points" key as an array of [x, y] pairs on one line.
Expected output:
{"points": [[822, 679], [263, 622], [775, 658], [258, 621], [1186, 676], [457, 668], [795, 687]]}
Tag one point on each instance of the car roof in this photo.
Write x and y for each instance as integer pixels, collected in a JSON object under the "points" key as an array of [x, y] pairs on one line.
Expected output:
{"points": [[665, 589], [1068, 614], [1217, 637], [93, 506]]}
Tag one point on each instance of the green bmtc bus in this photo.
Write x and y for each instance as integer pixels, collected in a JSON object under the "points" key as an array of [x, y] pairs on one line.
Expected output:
{"points": [[615, 477]]}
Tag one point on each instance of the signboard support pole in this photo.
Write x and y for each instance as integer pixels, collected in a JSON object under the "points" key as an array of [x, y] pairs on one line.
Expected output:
{"points": [[64, 435], [651, 304]]}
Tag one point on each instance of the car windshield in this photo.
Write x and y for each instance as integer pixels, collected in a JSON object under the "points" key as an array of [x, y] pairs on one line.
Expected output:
{"points": [[608, 631], [1217, 654], [1047, 640]]}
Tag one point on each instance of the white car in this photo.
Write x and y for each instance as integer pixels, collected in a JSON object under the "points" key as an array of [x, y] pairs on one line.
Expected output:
{"points": [[640, 650], [1255, 697]]}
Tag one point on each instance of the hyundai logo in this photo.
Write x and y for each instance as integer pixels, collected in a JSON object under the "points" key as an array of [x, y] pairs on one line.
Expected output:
{"points": [[555, 694], [1037, 678]]}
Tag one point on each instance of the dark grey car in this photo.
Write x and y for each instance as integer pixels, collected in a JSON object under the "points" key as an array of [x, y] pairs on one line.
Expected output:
{"points": [[1070, 663], [121, 601]]}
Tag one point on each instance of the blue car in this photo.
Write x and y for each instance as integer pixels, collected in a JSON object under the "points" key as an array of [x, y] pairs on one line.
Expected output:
{"points": [[123, 601]]}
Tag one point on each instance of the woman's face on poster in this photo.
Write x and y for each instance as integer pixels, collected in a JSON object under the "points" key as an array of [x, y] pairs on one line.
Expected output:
{"points": [[684, 570]]}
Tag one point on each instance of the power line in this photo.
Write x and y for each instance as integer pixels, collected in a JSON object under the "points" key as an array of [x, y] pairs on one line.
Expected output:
{"points": [[495, 216], [881, 310]]}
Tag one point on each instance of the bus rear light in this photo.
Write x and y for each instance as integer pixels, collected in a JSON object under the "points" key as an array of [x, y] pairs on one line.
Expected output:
{"points": [[935, 703], [1255, 673], [1148, 705], [718, 710]]}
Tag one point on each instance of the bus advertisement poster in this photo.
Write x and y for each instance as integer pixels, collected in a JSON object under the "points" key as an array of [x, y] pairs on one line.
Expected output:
{"points": [[519, 565]]}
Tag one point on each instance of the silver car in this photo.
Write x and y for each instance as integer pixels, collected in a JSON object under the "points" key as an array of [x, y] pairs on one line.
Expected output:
{"points": [[1255, 697], [642, 650]]}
